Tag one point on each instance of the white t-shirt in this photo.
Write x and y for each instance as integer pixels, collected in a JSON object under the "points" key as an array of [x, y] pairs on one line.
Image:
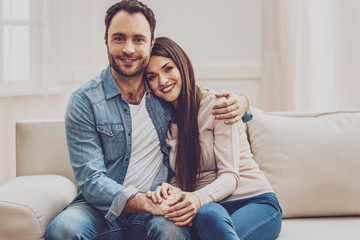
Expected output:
{"points": [[146, 157]]}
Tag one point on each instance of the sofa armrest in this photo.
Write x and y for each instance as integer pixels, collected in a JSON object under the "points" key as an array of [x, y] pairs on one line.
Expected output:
{"points": [[29, 203]]}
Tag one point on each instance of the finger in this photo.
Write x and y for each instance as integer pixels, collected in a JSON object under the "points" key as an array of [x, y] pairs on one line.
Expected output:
{"points": [[178, 209], [153, 197], [164, 191], [184, 220], [184, 223], [225, 110], [227, 116], [179, 213], [232, 121], [175, 199], [172, 191], [158, 194], [182, 217], [223, 94], [233, 109], [148, 194], [225, 103]]}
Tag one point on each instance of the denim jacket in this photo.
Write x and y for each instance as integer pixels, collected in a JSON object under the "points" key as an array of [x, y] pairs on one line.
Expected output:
{"points": [[98, 132]]}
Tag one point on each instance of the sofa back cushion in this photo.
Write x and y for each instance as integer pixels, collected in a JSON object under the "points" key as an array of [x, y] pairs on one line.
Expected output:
{"points": [[41, 148], [311, 160]]}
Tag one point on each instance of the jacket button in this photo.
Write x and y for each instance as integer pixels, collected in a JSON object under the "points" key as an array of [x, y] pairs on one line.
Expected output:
{"points": [[110, 133], [160, 131], [149, 109]]}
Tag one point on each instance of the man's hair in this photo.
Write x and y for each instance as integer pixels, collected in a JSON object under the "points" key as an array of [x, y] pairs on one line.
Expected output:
{"points": [[132, 7], [189, 153]]}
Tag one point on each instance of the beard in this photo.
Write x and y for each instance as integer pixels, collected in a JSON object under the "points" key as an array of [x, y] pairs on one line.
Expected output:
{"points": [[128, 72]]}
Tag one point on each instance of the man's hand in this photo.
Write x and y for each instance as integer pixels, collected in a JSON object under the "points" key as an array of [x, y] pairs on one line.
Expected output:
{"points": [[232, 109], [140, 203]]}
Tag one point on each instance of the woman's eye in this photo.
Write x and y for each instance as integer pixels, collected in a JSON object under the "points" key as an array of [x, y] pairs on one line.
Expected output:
{"points": [[168, 69], [150, 77]]}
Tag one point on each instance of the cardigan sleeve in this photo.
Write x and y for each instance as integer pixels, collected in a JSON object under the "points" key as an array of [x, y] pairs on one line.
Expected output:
{"points": [[226, 142]]}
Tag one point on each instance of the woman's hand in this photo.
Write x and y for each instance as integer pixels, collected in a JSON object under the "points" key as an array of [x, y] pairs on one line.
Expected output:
{"points": [[162, 192], [232, 109], [184, 209]]}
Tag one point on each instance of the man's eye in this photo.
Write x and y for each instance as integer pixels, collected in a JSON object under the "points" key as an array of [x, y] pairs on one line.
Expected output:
{"points": [[139, 40], [119, 39]]}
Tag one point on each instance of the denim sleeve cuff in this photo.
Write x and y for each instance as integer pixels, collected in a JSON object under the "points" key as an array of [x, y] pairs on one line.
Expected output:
{"points": [[119, 202], [247, 116]]}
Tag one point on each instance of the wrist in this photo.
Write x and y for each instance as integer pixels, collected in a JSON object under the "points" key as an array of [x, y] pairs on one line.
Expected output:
{"points": [[137, 204], [147, 205], [197, 200], [197, 195]]}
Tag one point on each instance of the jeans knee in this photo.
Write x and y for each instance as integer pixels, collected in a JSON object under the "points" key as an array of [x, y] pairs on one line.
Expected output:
{"points": [[65, 228], [211, 213], [58, 230], [162, 228]]}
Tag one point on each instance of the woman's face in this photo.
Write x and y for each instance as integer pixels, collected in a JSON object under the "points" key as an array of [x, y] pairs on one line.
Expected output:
{"points": [[164, 78]]}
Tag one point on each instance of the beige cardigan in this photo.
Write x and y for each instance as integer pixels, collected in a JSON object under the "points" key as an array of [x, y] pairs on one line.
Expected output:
{"points": [[228, 171]]}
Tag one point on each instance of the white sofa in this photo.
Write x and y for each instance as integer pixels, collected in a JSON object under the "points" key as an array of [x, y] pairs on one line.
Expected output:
{"points": [[311, 160]]}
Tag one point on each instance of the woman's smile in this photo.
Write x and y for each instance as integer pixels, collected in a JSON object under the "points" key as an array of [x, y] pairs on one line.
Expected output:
{"points": [[164, 78], [168, 88]]}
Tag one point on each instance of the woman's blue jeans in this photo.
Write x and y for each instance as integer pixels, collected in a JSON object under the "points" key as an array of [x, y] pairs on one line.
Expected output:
{"points": [[257, 218], [81, 221]]}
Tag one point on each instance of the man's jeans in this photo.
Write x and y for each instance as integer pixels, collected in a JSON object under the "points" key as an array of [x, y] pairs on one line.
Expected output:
{"points": [[81, 221], [255, 218]]}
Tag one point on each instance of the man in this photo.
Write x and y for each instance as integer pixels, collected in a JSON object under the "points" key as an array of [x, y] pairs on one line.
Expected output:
{"points": [[116, 130]]}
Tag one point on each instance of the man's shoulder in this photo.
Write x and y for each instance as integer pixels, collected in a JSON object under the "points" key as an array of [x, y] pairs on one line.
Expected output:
{"points": [[89, 86], [92, 89]]}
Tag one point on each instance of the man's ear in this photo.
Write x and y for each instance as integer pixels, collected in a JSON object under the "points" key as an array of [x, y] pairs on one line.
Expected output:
{"points": [[152, 43], [106, 42]]}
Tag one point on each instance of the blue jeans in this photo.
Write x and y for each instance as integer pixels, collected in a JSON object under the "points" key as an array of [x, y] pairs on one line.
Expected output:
{"points": [[257, 218], [81, 221]]}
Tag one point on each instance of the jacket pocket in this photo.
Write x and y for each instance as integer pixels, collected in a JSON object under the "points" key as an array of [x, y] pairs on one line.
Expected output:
{"points": [[113, 140]]}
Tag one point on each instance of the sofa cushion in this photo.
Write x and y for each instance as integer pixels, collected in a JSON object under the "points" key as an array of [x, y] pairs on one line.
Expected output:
{"points": [[311, 160], [29, 203], [329, 228]]}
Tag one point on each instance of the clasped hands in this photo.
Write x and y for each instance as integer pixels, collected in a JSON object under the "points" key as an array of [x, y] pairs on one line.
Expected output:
{"points": [[176, 205]]}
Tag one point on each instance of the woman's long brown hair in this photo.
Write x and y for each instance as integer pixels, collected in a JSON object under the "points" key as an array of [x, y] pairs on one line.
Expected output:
{"points": [[188, 154]]}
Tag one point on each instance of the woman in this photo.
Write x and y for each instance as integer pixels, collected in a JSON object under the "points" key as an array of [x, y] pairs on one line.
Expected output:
{"points": [[223, 193]]}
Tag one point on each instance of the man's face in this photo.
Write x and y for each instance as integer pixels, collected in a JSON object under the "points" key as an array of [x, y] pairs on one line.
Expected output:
{"points": [[128, 43]]}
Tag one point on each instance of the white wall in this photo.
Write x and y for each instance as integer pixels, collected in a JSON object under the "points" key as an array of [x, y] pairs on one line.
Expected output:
{"points": [[222, 39]]}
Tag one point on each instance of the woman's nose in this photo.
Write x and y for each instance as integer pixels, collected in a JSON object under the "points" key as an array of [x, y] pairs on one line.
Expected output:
{"points": [[163, 80]]}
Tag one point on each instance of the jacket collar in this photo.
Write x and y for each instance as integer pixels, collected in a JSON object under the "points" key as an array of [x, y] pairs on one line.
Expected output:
{"points": [[112, 89]]}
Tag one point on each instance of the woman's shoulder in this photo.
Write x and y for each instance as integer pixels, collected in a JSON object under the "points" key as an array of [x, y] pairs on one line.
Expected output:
{"points": [[209, 98]]}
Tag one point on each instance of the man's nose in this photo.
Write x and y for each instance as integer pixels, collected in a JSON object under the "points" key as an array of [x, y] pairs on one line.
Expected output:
{"points": [[129, 48]]}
